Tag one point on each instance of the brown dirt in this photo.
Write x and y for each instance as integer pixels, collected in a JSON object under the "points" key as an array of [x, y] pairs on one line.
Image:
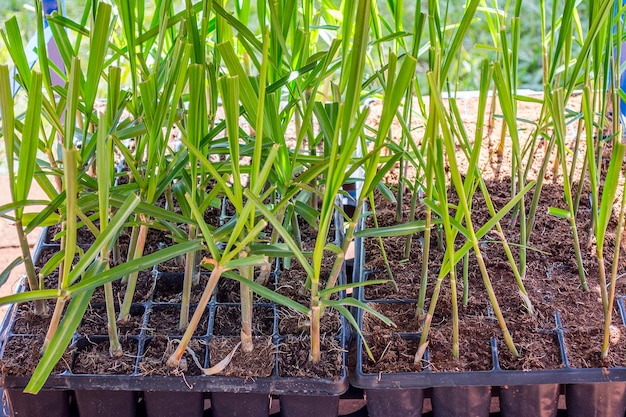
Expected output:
{"points": [[94, 358], [21, 356], [391, 353], [228, 321], [551, 279], [158, 350], [169, 288], [293, 358], [27, 322], [143, 289], [258, 363], [294, 323], [164, 320], [95, 321], [227, 290]]}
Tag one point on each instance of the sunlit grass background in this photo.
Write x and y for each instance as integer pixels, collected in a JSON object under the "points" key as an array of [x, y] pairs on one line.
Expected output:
{"points": [[476, 46]]}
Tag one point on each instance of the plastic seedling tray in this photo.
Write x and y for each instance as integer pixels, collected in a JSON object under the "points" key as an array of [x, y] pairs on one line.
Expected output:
{"points": [[292, 390]]}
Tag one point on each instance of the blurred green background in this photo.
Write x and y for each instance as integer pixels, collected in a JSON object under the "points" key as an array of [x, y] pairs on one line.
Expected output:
{"points": [[475, 47]]}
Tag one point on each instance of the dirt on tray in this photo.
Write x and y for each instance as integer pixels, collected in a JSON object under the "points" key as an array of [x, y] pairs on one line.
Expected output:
{"points": [[258, 363], [93, 357], [158, 350], [165, 319], [228, 320], [294, 353], [21, 356], [551, 279]]}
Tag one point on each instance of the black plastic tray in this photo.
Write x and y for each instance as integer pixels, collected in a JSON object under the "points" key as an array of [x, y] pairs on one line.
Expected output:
{"points": [[273, 385], [496, 376]]}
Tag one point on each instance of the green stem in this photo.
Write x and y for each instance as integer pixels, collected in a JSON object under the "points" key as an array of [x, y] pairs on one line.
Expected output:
{"points": [[174, 359], [115, 348], [134, 237], [40, 307], [466, 279], [246, 307], [455, 315], [188, 281], [608, 309], [132, 278]]}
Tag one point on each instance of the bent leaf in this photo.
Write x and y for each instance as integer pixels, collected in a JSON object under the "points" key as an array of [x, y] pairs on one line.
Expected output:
{"points": [[220, 366], [395, 230], [4, 275], [267, 293]]}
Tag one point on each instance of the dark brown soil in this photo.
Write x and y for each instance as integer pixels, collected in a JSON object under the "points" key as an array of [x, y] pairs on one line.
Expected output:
{"points": [[143, 289], [551, 281], [158, 350], [258, 363], [95, 321], [169, 288], [27, 322], [405, 316], [93, 358], [294, 323], [392, 353], [228, 291], [164, 320], [228, 321], [177, 265], [21, 356], [83, 235], [293, 358]]}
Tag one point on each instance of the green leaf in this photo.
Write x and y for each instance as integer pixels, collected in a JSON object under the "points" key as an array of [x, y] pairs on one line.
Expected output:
{"points": [[271, 218], [61, 338], [106, 236], [610, 190], [276, 250], [23, 297], [7, 112], [152, 211], [51, 220], [346, 313], [13, 40], [30, 140], [331, 247], [52, 263], [559, 212], [308, 213], [98, 42], [337, 288], [395, 230], [353, 302], [4, 275], [130, 267], [267, 293], [247, 261], [480, 233]]}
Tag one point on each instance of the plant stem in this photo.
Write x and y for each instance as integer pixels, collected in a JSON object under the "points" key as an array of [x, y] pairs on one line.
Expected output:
{"points": [[466, 279], [188, 282], [316, 315], [174, 359], [40, 307], [246, 306], [132, 279], [115, 349], [608, 309], [134, 237]]}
